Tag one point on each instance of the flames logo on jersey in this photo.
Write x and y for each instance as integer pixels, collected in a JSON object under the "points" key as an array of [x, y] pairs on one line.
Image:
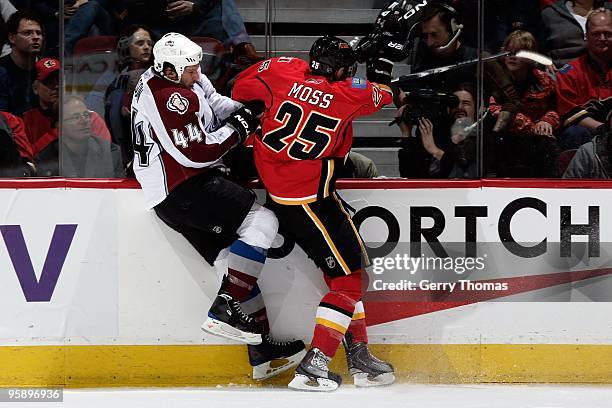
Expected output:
{"points": [[376, 95], [177, 103]]}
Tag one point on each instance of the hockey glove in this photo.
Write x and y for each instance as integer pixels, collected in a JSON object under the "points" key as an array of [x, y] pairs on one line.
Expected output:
{"points": [[246, 119], [379, 71]]}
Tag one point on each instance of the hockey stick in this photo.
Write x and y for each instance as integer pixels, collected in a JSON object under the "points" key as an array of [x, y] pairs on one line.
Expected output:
{"points": [[528, 55]]}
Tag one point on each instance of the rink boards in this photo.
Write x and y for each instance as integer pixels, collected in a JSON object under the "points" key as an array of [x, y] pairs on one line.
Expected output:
{"points": [[98, 292]]}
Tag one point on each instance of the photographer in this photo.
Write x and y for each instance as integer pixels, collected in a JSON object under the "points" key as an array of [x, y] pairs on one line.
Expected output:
{"points": [[440, 45], [437, 144]]}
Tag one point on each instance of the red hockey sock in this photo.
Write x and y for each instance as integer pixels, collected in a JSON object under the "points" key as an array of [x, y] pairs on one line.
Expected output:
{"points": [[261, 317], [335, 312], [255, 307], [358, 328], [244, 265], [333, 318], [239, 285]]}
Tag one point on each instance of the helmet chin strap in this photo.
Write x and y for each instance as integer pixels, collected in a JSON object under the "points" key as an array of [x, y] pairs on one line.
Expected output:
{"points": [[453, 40]]}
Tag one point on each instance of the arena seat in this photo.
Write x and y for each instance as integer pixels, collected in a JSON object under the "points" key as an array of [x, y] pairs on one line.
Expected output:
{"points": [[95, 45]]}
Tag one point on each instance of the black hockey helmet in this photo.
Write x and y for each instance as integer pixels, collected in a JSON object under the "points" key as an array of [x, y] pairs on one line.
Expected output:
{"points": [[328, 54]]}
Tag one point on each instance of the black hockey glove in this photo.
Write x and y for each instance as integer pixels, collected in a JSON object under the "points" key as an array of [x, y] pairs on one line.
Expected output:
{"points": [[381, 45], [379, 70], [246, 119]]}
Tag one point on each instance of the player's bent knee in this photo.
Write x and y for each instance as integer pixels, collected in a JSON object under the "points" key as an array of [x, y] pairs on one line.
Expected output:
{"points": [[348, 285], [259, 227]]}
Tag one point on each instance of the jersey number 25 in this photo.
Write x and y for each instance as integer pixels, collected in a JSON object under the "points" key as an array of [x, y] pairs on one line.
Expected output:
{"points": [[313, 134]]}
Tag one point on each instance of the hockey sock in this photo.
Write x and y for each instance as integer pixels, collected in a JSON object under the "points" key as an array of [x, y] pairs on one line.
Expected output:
{"points": [[358, 328], [333, 319], [255, 307], [335, 312], [244, 265]]}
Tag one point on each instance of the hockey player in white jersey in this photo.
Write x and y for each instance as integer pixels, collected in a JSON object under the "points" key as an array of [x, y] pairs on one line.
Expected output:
{"points": [[181, 128]]}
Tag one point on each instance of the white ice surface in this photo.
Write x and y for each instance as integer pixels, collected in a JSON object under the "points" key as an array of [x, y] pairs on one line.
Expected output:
{"points": [[399, 395]]}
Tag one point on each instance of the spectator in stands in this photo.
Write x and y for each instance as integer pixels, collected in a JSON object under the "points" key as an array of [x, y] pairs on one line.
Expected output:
{"points": [[216, 19], [593, 160], [564, 28], [358, 165], [41, 121], [17, 69], [439, 27], [584, 79], [6, 10], [135, 53], [16, 157], [530, 144], [48, 10], [81, 16], [80, 152], [500, 18], [426, 155]]}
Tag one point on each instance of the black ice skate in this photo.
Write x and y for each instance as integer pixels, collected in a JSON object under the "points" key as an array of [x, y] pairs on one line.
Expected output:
{"points": [[367, 370], [272, 357], [226, 319], [313, 375]]}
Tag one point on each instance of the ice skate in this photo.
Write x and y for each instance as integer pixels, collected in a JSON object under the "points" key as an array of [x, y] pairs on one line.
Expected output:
{"points": [[272, 357], [367, 370], [226, 319], [313, 375]]}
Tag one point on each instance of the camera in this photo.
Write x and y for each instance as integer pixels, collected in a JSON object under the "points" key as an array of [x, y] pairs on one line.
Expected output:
{"points": [[427, 103]]}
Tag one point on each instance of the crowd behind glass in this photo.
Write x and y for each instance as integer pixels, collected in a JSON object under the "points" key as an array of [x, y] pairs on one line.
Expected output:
{"points": [[65, 110]]}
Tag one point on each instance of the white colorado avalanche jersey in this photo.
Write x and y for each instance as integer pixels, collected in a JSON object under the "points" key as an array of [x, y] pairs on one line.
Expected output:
{"points": [[177, 132]]}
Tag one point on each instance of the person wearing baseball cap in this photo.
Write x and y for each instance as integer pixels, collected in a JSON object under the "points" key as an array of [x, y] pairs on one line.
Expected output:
{"points": [[41, 121]]}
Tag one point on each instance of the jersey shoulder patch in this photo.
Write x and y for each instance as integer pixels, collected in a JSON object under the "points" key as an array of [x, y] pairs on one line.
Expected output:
{"points": [[566, 68], [359, 83]]}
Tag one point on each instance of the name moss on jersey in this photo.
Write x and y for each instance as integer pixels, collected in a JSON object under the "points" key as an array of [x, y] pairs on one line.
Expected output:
{"points": [[306, 128]]}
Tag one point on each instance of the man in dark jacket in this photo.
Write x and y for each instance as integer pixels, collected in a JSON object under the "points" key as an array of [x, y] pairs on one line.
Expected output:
{"points": [[593, 160], [564, 36]]}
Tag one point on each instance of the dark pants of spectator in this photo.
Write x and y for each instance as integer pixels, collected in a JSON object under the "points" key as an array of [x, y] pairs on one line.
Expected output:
{"points": [[93, 13], [11, 164], [528, 156], [414, 161], [574, 136]]}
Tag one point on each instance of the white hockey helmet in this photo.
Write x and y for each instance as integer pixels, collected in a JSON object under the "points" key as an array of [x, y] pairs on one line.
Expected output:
{"points": [[176, 51]]}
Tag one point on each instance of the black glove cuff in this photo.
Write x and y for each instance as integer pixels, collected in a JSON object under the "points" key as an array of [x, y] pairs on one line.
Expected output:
{"points": [[244, 121]]}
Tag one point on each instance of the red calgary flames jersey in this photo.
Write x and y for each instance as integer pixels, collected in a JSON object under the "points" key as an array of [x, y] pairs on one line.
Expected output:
{"points": [[306, 128]]}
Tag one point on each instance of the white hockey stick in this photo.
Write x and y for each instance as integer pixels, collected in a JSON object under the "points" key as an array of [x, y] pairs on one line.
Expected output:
{"points": [[528, 55]]}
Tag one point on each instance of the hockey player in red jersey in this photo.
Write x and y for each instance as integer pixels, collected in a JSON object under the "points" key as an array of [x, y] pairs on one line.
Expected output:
{"points": [[181, 128], [306, 137]]}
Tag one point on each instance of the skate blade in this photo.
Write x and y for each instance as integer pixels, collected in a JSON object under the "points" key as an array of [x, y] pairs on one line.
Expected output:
{"points": [[303, 383], [363, 380], [218, 328], [267, 370]]}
